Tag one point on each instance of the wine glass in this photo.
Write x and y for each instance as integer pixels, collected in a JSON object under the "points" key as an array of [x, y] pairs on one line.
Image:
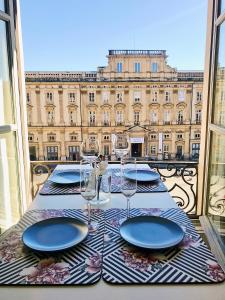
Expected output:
{"points": [[88, 187], [121, 145], [128, 180], [89, 150]]}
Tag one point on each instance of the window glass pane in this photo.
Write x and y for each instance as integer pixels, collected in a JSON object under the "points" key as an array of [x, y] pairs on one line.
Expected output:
{"points": [[9, 185], [216, 194], [222, 10], [2, 5], [219, 96], [6, 109]]}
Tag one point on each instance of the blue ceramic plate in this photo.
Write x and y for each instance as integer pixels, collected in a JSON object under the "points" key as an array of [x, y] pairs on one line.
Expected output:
{"points": [[55, 234], [151, 232], [66, 177], [142, 175]]}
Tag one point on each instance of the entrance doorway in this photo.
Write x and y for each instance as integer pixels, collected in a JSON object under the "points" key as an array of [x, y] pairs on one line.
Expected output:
{"points": [[136, 149]]}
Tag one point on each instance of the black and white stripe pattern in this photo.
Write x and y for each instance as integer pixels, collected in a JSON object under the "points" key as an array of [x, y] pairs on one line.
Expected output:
{"points": [[76, 258], [183, 264], [50, 188]]}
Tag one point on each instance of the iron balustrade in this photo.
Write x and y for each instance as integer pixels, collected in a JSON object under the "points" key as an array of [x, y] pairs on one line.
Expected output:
{"points": [[180, 178]]}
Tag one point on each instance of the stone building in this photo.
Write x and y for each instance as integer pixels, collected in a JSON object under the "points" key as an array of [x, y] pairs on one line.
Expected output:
{"points": [[137, 92]]}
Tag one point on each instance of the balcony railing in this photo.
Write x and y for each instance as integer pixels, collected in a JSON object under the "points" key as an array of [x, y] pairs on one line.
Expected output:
{"points": [[180, 178]]}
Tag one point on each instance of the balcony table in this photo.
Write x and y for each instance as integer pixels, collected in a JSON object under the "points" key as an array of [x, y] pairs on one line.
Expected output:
{"points": [[103, 290]]}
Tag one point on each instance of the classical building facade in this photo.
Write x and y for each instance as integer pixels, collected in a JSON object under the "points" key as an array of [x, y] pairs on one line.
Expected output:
{"points": [[137, 92]]}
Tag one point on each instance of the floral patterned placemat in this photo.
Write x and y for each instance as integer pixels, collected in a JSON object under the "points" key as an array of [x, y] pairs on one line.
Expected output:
{"points": [[190, 262], [80, 265], [50, 188]]}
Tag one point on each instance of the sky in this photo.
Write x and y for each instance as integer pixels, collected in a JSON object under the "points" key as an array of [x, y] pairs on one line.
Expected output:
{"points": [[75, 35]]}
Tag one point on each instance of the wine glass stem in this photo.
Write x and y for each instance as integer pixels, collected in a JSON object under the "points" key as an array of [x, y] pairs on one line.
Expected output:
{"points": [[89, 213], [128, 207]]}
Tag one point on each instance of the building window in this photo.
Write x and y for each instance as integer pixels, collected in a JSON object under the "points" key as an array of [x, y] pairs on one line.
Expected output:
{"points": [[74, 152], [119, 67], [179, 153], [92, 138], [51, 137], [92, 117], [155, 96], [73, 137], [137, 67], [197, 136], [222, 96], [52, 153], [195, 150], [167, 96], [91, 97], [119, 97], [180, 136], [136, 117], [49, 97], [154, 67], [154, 117], [30, 137], [153, 136], [106, 149], [106, 137], [105, 97], [72, 97], [180, 117], [181, 95], [28, 97], [106, 118], [165, 148], [153, 150], [198, 96], [119, 117], [137, 96], [167, 117], [198, 116], [166, 136]]}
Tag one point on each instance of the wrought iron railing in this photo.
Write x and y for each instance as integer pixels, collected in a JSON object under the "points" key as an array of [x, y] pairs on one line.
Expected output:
{"points": [[180, 178]]}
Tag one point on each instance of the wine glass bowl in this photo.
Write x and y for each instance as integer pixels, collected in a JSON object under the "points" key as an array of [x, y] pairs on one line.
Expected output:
{"points": [[128, 187], [88, 188], [121, 145], [89, 150]]}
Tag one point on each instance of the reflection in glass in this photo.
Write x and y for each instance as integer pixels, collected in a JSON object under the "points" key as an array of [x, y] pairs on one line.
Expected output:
{"points": [[219, 97], [216, 194], [6, 108], [9, 185], [2, 5]]}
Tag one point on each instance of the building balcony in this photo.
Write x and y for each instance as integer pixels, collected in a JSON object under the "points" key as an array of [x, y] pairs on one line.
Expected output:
{"points": [[106, 123], [120, 123], [180, 122], [166, 122], [154, 122], [92, 124], [136, 123]]}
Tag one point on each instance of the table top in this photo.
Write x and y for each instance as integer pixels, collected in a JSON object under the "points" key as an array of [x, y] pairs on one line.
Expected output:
{"points": [[103, 290]]}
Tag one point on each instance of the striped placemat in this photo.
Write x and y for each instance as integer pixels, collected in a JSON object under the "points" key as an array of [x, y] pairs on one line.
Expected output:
{"points": [[50, 188], [80, 265], [190, 262]]}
